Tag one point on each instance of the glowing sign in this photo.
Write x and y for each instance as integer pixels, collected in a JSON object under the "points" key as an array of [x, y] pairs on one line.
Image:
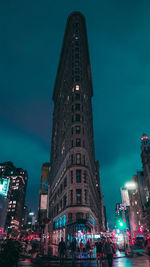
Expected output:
{"points": [[60, 222], [4, 186], [43, 202]]}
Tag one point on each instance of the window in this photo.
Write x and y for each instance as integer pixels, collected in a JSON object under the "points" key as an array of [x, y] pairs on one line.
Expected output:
{"points": [[78, 159], [72, 118], [71, 197], [78, 142], [79, 196], [72, 130], [77, 96], [72, 108], [78, 129], [85, 195], [83, 143], [83, 159], [65, 182], [85, 177], [79, 215], [78, 176], [71, 177], [71, 143], [77, 117], [65, 201], [77, 106], [72, 159]]}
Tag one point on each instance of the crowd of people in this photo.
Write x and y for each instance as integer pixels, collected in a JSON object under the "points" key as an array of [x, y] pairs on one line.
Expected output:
{"points": [[104, 250]]}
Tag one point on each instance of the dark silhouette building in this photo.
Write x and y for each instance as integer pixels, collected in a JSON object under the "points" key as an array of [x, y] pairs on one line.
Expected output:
{"points": [[75, 201]]}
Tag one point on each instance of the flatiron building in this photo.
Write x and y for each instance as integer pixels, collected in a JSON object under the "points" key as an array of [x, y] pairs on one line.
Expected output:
{"points": [[75, 199]]}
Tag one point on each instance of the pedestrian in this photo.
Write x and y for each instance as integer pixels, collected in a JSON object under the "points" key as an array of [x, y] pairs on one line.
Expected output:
{"points": [[73, 249], [61, 250], [67, 248], [109, 249], [99, 252], [81, 246], [88, 247]]}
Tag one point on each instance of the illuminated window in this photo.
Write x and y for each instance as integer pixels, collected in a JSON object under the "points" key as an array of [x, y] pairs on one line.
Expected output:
{"points": [[78, 159], [77, 88]]}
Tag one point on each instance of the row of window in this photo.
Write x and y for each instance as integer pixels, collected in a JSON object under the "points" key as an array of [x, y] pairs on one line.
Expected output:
{"points": [[79, 176], [79, 216], [77, 143], [76, 159], [79, 196], [77, 117], [61, 188]]}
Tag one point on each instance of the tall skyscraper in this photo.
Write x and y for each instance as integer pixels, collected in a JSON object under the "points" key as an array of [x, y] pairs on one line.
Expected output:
{"points": [[75, 203]]}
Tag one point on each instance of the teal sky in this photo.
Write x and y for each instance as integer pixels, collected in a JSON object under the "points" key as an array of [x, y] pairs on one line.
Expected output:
{"points": [[31, 34]]}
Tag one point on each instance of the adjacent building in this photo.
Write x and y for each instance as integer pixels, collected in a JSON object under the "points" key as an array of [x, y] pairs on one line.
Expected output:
{"points": [[75, 199], [43, 195], [145, 156], [13, 183]]}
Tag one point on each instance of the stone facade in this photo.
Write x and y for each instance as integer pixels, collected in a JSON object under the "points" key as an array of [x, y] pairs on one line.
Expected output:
{"points": [[75, 201]]}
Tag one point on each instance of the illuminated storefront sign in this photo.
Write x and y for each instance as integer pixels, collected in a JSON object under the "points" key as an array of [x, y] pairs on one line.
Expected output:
{"points": [[60, 222], [4, 186]]}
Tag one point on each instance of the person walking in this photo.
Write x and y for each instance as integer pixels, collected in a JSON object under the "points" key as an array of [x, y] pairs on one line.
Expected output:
{"points": [[73, 249], [109, 249], [99, 252], [61, 250]]}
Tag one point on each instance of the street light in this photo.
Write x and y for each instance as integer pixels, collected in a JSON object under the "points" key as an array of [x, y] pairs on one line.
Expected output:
{"points": [[131, 185]]}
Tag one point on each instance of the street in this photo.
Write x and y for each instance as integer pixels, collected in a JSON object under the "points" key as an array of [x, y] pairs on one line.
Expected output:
{"points": [[137, 261]]}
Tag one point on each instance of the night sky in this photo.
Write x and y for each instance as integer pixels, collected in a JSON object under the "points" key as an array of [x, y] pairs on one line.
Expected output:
{"points": [[31, 34]]}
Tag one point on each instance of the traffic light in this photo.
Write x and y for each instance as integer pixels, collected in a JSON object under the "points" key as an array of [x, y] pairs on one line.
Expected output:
{"points": [[121, 224]]}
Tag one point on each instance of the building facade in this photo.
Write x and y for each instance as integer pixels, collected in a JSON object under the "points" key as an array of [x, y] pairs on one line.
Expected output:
{"points": [[13, 188], [145, 156], [75, 201]]}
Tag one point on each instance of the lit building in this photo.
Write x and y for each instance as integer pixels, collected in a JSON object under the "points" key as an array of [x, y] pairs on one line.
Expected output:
{"points": [[75, 202], [145, 156], [13, 187]]}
